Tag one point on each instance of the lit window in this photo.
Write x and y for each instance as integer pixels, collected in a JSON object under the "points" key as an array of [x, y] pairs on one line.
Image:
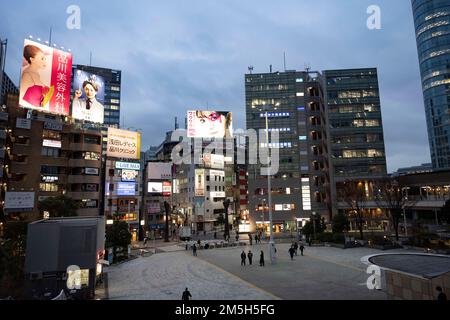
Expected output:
{"points": [[302, 138], [300, 94], [299, 80]]}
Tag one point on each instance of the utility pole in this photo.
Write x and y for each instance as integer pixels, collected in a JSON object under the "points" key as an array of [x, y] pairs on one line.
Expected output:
{"points": [[226, 205], [167, 209]]}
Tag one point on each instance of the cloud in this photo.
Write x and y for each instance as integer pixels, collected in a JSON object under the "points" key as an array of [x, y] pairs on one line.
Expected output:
{"points": [[178, 55]]}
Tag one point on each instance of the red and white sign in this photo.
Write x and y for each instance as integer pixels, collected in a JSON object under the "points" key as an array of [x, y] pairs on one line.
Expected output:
{"points": [[45, 79]]}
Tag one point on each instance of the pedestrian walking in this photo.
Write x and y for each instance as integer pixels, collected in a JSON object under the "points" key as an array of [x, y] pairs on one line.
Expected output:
{"points": [[243, 258], [186, 295], [250, 257], [145, 241], [261, 259], [441, 296], [250, 238], [194, 250], [215, 235], [296, 248], [302, 247], [256, 238], [237, 237], [292, 252]]}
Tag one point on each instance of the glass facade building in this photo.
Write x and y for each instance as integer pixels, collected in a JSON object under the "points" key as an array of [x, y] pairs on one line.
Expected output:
{"points": [[432, 25]]}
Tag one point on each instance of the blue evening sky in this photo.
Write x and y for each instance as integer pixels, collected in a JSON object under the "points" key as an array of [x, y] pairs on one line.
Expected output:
{"points": [[177, 55]]}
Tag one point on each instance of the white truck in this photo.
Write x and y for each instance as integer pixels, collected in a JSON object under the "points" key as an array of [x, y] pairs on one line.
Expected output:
{"points": [[185, 233]]}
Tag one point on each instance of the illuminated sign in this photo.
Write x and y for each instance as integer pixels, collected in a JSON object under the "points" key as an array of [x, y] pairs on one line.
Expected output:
{"points": [[123, 144], [89, 95], [199, 182], [49, 179], [129, 175], [128, 165], [217, 194], [126, 189], [167, 189], [45, 78], [19, 201], [209, 124], [155, 187], [52, 143]]}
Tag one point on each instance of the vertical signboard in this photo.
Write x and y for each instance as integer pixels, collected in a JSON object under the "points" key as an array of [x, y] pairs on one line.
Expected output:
{"points": [[199, 182]]}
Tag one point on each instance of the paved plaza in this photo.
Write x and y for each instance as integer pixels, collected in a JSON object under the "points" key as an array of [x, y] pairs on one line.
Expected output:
{"points": [[324, 273]]}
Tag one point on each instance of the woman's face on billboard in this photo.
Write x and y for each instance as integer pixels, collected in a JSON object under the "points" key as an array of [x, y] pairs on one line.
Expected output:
{"points": [[39, 60], [212, 124]]}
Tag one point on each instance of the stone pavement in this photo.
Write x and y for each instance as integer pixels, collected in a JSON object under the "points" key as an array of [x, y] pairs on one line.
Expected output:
{"points": [[324, 273], [165, 276]]}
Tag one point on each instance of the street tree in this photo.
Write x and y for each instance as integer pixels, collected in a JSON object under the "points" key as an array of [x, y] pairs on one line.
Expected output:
{"points": [[60, 206], [391, 195], [340, 223], [118, 235], [354, 196]]}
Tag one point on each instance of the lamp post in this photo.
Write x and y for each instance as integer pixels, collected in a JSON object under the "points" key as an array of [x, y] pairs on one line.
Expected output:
{"points": [[314, 224], [272, 249]]}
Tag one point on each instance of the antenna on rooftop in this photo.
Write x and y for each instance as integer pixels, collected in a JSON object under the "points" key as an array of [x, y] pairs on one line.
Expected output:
{"points": [[250, 69]]}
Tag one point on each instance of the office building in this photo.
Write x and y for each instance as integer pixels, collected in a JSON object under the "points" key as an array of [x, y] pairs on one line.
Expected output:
{"points": [[357, 152], [7, 87], [294, 103], [432, 26]]}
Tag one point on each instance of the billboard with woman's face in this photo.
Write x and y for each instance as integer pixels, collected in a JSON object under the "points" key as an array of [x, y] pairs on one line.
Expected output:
{"points": [[209, 124], [89, 95], [45, 78]]}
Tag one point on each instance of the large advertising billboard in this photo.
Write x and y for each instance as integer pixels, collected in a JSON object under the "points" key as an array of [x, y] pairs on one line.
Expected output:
{"points": [[155, 187], [209, 124], [199, 182], [89, 97], [159, 170], [123, 144], [45, 78]]}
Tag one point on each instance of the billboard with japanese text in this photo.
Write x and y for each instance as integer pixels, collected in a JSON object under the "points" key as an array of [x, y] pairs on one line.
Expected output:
{"points": [[123, 144], [45, 78]]}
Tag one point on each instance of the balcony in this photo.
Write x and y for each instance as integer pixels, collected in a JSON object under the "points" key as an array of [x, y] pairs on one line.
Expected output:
{"points": [[86, 147], [21, 149], [84, 179], [82, 163], [84, 195]]}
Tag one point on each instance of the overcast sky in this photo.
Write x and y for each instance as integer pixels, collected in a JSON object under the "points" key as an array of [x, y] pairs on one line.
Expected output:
{"points": [[177, 55]]}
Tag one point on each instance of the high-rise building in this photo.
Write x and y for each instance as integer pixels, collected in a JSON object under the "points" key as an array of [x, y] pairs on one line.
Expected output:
{"points": [[293, 101], [8, 87], [356, 140], [111, 101], [432, 24]]}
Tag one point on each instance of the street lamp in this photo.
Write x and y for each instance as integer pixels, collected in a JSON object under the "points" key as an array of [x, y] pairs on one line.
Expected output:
{"points": [[272, 249], [314, 224]]}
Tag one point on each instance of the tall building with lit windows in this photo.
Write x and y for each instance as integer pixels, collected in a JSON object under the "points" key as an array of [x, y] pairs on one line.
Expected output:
{"points": [[356, 140], [112, 79], [432, 24], [294, 102]]}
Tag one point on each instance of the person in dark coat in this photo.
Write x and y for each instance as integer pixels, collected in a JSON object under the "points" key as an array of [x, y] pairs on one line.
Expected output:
{"points": [[302, 247], [296, 248], [441, 296], [261, 259], [292, 252], [194, 250], [250, 257], [250, 238], [243, 257], [186, 295]]}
